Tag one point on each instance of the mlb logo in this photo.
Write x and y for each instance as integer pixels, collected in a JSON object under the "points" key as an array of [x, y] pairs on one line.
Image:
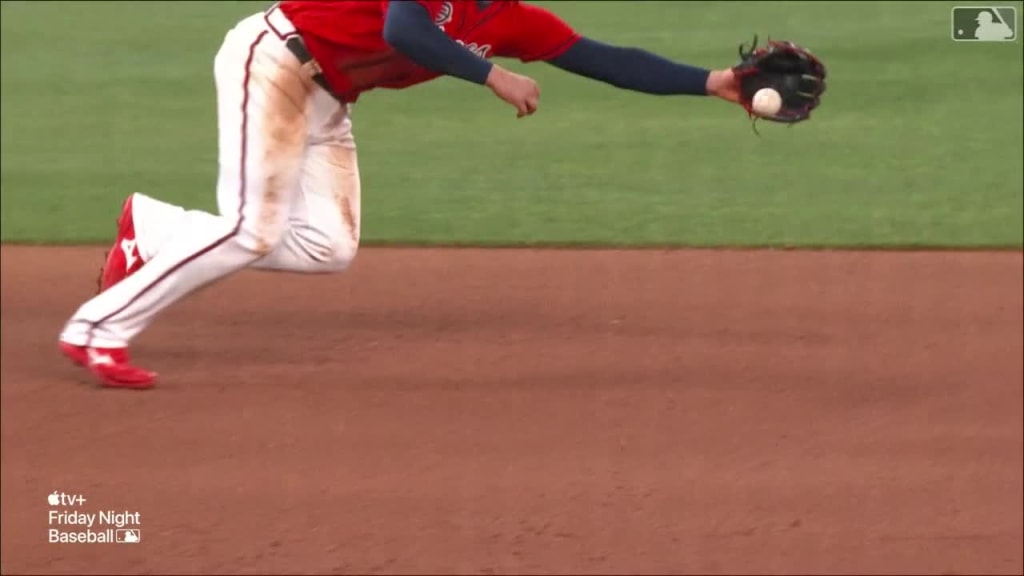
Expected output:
{"points": [[984, 23], [128, 536]]}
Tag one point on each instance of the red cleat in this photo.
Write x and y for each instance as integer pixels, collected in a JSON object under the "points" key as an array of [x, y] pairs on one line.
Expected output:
{"points": [[123, 258], [110, 365]]}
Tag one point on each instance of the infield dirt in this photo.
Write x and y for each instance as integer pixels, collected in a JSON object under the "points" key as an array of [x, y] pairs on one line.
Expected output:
{"points": [[517, 411]]}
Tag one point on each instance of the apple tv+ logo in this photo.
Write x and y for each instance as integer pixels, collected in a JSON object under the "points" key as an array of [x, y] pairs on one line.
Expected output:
{"points": [[62, 499]]}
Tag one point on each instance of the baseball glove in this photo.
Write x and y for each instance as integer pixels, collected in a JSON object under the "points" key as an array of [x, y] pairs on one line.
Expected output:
{"points": [[796, 74]]}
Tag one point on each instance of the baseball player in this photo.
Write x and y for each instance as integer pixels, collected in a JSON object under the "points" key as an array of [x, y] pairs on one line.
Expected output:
{"points": [[288, 188]]}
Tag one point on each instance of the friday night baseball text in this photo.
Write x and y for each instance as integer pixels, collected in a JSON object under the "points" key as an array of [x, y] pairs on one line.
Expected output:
{"points": [[104, 518]]}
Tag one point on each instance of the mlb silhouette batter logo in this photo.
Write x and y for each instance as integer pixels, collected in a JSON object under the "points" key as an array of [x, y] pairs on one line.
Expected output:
{"points": [[128, 536], [984, 23]]}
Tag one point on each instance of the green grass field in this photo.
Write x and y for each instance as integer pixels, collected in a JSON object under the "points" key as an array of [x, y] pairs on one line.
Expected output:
{"points": [[918, 141]]}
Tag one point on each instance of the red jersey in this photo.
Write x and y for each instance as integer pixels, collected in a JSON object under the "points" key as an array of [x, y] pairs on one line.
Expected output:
{"points": [[346, 38]]}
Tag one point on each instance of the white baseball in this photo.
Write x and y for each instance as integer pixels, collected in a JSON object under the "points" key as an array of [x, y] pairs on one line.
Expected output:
{"points": [[767, 102]]}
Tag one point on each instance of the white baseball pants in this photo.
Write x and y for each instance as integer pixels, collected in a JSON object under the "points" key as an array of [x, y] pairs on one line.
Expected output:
{"points": [[288, 190]]}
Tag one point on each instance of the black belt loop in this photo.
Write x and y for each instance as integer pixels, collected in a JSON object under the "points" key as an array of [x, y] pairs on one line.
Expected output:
{"points": [[311, 66]]}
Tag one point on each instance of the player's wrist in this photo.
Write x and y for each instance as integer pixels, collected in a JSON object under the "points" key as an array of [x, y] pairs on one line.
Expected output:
{"points": [[723, 84], [494, 75]]}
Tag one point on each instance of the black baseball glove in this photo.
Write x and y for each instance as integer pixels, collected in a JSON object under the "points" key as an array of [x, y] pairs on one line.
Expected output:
{"points": [[796, 74]]}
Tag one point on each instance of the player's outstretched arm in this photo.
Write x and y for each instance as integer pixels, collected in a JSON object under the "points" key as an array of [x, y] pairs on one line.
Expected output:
{"points": [[409, 29], [642, 71]]}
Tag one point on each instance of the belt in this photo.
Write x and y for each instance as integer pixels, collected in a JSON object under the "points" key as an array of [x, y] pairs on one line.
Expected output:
{"points": [[297, 47]]}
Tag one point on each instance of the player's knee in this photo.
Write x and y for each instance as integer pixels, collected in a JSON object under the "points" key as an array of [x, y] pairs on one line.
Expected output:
{"points": [[343, 255], [327, 254]]}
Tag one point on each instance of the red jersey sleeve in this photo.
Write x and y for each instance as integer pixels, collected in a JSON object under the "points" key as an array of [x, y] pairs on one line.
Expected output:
{"points": [[537, 34]]}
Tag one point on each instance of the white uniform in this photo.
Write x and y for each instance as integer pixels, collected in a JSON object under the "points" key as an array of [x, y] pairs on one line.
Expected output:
{"points": [[287, 190]]}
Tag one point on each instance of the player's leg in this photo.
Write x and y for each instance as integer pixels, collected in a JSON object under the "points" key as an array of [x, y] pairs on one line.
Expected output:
{"points": [[323, 225], [323, 233], [263, 131], [323, 228]]}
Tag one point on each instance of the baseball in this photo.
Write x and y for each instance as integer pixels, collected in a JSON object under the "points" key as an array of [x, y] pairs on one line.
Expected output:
{"points": [[767, 102]]}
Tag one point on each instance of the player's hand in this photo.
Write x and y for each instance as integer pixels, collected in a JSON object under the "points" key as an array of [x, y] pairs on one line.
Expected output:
{"points": [[723, 84], [520, 91]]}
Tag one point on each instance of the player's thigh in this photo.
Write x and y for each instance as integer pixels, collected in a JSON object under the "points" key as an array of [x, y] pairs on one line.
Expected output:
{"points": [[330, 172], [328, 213], [262, 128]]}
